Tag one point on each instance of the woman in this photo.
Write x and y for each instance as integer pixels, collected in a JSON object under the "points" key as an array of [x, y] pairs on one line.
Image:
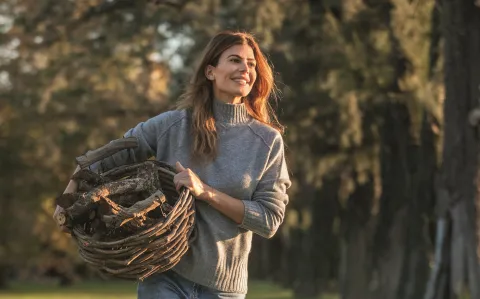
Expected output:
{"points": [[227, 147]]}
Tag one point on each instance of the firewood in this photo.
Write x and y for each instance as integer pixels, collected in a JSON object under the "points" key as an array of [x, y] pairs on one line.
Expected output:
{"points": [[136, 212], [129, 222], [90, 177], [66, 200], [78, 212]]}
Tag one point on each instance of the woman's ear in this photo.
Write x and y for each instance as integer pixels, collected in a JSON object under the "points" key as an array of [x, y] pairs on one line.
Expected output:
{"points": [[209, 73]]}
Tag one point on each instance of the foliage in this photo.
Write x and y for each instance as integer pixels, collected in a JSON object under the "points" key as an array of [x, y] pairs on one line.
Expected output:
{"points": [[351, 73]]}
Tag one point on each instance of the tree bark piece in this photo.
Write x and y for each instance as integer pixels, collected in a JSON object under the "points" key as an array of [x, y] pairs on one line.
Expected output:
{"points": [[105, 151], [66, 200], [90, 177], [138, 211], [126, 200], [79, 211]]}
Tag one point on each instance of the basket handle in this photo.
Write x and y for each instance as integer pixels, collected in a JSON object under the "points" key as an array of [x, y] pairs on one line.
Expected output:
{"points": [[107, 150]]}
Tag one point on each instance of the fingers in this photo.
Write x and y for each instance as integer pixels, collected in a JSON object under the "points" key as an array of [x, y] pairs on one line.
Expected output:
{"points": [[177, 186], [179, 167], [177, 180], [180, 180], [186, 178]]}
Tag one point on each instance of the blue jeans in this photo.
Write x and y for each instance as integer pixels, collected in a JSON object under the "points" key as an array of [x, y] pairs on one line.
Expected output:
{"points": [[170, 285]]}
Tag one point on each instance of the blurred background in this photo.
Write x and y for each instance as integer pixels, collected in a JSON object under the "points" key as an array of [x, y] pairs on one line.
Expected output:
{"points": [[373, 212]]}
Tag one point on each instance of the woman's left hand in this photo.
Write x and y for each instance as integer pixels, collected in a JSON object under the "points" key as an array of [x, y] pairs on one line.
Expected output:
{"points": [[186, 177]]}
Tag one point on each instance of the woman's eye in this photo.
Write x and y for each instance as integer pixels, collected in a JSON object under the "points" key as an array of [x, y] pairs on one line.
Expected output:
{"points": [[252, 65], [236, 60]]}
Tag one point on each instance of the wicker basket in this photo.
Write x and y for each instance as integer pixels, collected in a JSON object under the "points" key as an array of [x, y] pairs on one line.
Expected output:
{"points": [[156, 246]]}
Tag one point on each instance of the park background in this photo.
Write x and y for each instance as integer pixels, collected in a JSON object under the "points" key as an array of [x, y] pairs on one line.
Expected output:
{"points": [[379, 98]]}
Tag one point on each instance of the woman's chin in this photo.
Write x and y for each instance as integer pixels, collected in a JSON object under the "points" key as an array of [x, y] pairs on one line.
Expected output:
{"points": [[239, 92], [243, 92]]}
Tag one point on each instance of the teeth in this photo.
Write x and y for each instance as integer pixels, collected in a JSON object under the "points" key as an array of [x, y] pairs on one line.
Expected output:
{"points": [[241, 81]]}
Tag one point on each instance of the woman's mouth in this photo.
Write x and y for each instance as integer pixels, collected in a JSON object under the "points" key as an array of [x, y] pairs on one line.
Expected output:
{"points": [[241, 81]]}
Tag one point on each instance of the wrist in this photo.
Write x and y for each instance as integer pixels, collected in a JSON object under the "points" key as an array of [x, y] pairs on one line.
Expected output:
{"points": [[207, 194]]}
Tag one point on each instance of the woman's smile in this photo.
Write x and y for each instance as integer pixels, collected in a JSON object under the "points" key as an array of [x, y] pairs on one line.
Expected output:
{"points": [[237, 64], [241, 81]]}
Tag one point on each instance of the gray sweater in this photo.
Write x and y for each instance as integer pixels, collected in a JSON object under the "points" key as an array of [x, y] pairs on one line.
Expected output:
{"points": [[250, 166]]}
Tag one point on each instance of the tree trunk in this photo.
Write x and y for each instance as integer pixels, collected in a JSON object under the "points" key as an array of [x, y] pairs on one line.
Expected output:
{"points": [[356, 260], [5, 220], [401, 242], [317, 252], [385, 256], [399, 245], [459, 271]]}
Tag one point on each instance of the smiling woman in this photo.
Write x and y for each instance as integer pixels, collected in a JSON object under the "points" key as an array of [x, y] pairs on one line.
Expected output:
{"points": [[234, 75], [227, 146]]}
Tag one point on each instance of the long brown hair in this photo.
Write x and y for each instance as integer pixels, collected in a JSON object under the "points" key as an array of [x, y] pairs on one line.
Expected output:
{"points": [[198, 96]]}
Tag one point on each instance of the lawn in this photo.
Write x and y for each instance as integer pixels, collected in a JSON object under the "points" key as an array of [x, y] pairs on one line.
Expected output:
{"points": [[110, 290], [122, 290]]}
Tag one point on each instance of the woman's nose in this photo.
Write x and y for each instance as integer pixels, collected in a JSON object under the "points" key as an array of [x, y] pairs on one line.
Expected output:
{"points": [[243, 66]]}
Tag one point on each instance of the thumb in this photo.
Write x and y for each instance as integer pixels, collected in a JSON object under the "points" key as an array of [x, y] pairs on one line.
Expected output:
{"points": [[179, 167]]}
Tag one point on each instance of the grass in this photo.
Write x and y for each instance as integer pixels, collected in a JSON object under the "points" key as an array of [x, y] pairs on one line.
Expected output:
{"points": [[122, 290], [117, 290]]}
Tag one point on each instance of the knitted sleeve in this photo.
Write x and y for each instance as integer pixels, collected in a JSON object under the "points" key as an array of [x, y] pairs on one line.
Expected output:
{"points": [[147, 134], [265, 211]]}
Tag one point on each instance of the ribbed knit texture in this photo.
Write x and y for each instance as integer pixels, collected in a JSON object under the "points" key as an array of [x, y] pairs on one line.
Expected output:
{"points": [[230, 114], [250, 166]]}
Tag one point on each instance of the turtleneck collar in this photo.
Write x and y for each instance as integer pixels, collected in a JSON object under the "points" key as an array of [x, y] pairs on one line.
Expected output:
{"points": [[230, 113]]}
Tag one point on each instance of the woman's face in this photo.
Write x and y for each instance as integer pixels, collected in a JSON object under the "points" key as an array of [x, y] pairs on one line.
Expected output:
{"points": [[234, 75]]}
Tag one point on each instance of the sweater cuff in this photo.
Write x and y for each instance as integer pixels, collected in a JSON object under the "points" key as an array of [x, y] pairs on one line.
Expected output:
{"points": [[252, 219]]}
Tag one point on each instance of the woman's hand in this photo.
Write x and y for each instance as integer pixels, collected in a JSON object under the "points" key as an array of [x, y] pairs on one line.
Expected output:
{"points": [[187, 178], [231, 207]]}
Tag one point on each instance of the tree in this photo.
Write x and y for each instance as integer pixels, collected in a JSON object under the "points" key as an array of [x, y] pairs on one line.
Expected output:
{"points": [[74, 75], [457, 269], [361, 87]]}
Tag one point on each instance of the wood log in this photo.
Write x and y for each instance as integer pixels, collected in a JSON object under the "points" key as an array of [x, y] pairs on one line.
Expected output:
{"points": [[136, 212], [90, 177], [105, 151], [79, 211], [127, 200], [66, 200]]}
